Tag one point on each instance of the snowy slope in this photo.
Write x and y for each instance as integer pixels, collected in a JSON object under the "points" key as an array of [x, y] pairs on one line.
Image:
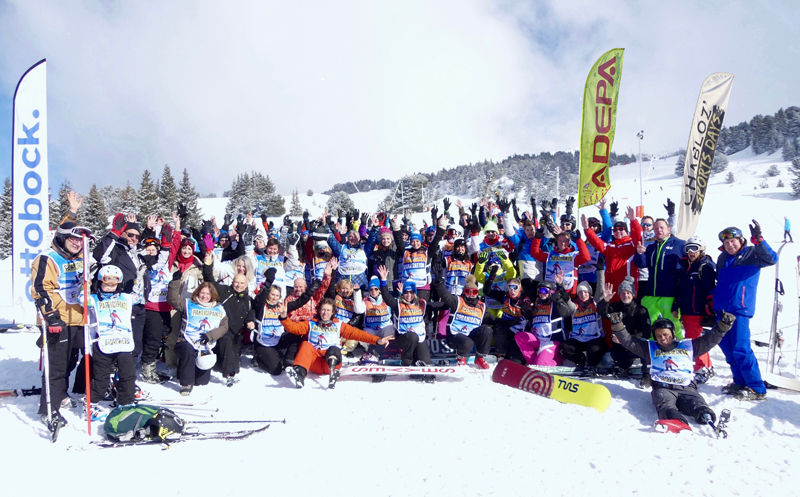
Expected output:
{"points": [[469, 437]]}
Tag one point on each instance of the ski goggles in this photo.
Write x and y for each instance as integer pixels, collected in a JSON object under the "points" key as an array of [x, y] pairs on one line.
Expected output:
{"points": [[692, 248], [470, 292], [729, 233], [76, 232], [513, 286], [546, 291], [110, 279], [151, 241]]}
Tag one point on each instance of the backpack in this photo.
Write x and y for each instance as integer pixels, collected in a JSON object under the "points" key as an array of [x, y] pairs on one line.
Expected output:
{"points": [[142, 422]]}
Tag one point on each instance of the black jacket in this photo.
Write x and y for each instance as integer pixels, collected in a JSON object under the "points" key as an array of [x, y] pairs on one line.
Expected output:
{"points": [[238, 306]]}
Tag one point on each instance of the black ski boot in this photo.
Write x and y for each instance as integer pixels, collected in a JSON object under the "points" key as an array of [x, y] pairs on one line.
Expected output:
{"points": [[334, 376], [298, 374]]}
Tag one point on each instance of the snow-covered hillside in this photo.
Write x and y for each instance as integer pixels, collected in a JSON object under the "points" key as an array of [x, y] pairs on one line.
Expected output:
{"points": [[470, 437]]}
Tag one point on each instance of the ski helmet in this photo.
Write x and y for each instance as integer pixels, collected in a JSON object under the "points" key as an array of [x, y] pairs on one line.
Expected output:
{"points": [[662, 323], [205, 360], [694, 244], [567, 218], [110, 271]]}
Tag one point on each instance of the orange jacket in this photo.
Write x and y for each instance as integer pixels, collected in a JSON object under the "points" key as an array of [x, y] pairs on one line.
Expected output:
{"points": [[348, 331]]}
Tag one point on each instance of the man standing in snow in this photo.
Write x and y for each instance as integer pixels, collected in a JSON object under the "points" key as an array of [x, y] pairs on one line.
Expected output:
{"points": [[738, 268], [787, 229]]}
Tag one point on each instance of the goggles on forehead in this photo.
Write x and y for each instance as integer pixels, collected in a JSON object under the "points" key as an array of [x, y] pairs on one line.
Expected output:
{"points": [[470, 292], [152, 241], [728, 233], [513, 286], [76, 232], [546, 291]]}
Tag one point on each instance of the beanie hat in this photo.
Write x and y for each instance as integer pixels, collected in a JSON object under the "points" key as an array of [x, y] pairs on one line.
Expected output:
{"points": [[621, 224], [416, 236], [409, 286], [385, 231], [374, 282], [131, 225], [471, 282], [585, 286], [627, 285], [320, 234], [490, 226]]}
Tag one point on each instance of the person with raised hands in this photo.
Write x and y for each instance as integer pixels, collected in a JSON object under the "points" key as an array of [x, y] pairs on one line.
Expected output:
{"points": [[563, 258], [618, 252]]}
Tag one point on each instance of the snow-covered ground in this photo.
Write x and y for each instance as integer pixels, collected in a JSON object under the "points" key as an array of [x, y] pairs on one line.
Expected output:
{"points": [[469, 437]]}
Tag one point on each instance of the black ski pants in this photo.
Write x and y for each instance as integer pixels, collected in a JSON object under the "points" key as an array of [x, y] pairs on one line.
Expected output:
{"points": [[583, 353], [226, 355], [103, 368], [138, 316], [157, 324], [274, 359], [188, 372], [63, 350], [506, 345], [623, 358], [411, 349], [480, 338], [674, 403]]}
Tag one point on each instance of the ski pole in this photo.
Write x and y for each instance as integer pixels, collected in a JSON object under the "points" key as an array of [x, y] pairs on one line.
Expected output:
{"points": [[87, 343], [46, 361], [232, 422]]}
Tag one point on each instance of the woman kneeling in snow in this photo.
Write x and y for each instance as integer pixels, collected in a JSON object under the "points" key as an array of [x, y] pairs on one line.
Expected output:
{"points": [[672, 365]]}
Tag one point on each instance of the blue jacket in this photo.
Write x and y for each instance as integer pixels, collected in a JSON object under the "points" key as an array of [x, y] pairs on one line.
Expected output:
{"points": [[696, 286], [737, 278], [662, 259], [787, 225]]}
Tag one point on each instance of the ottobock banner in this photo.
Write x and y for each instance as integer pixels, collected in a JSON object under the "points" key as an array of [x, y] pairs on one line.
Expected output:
{"points": [[598, 125], [30, 207], [703, 137]]}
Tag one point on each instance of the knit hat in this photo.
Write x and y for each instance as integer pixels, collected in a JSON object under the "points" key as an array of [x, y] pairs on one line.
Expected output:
{"points": [[374, 282], [471, 282], [320, 234], [627, 285], [621, 224], [585, 286], [385, 231], [409, 286], [416, 236], [131, 225], [490, 226]]}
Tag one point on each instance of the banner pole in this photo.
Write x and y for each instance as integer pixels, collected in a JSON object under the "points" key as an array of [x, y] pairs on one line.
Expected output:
{"points": [[87, 342]]}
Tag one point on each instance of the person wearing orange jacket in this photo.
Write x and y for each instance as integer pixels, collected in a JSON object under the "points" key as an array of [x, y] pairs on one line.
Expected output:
{"points": [[321, 353]]}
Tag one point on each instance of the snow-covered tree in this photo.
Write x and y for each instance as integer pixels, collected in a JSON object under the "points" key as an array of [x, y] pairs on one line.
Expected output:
{"points": [[264, 197], [773, 171], [94, 213], [795, 170], [339, 201], [679, 166], [789, 149], [148, 197], [297, 209], [729, 178], [720, 163], [187, 196], [167, 194], [60, 206], [111, 197], [128, 201], [5, 220], [310, 192]]}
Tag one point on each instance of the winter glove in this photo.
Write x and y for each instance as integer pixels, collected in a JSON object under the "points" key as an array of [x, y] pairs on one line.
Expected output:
{"points": [[616, 321], [292, 238], [226, 222], [182, 212], [348, 219], [437, 267], [177, 275], [493, 271], [554, 204], [474, 209], [502, 255], [601, 264], [269, 275], [208, 241], [364, 219], [755, 233], [271, 225], [434, 214], [329, 220], [118, 225], [406, 221], [396, 225], [54, 322], [446, 204], [312, 225], [577, 234], [539, 234], [483, 257], [287, 221], [204, 339], [305, 215], [726, 322], [166, 235], [570, 203], [614, 209], [545, 207], [314, 287], [263, 217], [670, 206], [239, 221]]}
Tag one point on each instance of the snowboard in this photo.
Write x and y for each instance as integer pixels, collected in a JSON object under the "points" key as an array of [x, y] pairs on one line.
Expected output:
{"points": [[451, 372], [566, 390]]}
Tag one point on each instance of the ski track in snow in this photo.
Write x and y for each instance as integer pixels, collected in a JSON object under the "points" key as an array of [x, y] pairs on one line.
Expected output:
{"points": [[457, 437]]}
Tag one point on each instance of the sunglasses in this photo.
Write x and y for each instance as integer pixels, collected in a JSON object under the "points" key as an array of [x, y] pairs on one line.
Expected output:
{"points": [[620, 229], [513, 286], [646, 225], [132, 235], [471, 292], [729, 233], [408, 291]]}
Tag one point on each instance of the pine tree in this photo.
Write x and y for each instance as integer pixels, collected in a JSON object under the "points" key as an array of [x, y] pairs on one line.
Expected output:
{"points": [[795, 170], [111, 196], [187, 196], [339, 201], [5, 221], [167, 194], [297, 209], [679, 166], [128, 200], [94, 213], [60, 207], [720, 163], [789, 151], [729, 178], [148, 197], [310, 192]]}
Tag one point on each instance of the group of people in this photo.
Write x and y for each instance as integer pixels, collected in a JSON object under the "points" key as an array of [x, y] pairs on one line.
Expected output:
{"points": [[530, 284]]}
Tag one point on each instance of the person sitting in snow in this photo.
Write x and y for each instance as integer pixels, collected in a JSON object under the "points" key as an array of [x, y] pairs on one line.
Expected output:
{"points": [[671, 364]]}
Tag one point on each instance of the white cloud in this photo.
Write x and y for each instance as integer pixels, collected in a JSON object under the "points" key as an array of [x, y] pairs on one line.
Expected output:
{"points": [[318, 92]]}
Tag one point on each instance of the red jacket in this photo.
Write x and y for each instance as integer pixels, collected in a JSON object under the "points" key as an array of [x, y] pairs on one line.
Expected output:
{"points": [[618, 255]]}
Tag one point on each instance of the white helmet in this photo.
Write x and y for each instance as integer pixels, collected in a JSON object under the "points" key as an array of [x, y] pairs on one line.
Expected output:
{"points": [[457, 228], [696, 243], [205, 359], [109, 271]]}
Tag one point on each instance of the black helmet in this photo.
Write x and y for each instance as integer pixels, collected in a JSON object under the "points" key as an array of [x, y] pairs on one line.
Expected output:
{"points": [[663, 323], [549, 286], [566, 218]]}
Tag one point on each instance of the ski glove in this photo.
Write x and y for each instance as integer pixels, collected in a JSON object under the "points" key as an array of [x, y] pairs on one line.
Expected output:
{"points": [[483, 257], [287, 221], [166, 235], [726, 322], [446, 204], [614, 209], [54, 322], [502, 255], [177, 275], [204, 339], [269, 275], [670, 206], [208, 240], [616, 321], [182, 212], [118, 225], [554, 204], [755, 233]]}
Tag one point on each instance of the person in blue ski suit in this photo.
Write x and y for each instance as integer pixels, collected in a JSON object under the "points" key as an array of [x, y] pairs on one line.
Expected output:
{"points": [[738, 269]]}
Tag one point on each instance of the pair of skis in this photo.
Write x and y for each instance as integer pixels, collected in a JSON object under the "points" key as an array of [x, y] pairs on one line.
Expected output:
{"points": [[678, 426], [770, 377]]}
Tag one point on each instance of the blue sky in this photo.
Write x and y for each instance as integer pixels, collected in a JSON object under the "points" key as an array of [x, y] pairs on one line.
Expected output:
{"points": [[322, 92]]}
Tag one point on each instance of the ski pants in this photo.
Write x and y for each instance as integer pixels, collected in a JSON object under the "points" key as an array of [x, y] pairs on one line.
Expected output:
{"points": [[157, 324], [538, 352], [739, 355], [584, 353], [103, 368], [662, 307], [695, 330], [63, 350], [411, 349], [623, 358], [188, 372], [316, 360], [138, 315], [480, 338], [386, 331], [674, 403], [227, 359], [506, 345], [274, 359], [789, 234]]}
